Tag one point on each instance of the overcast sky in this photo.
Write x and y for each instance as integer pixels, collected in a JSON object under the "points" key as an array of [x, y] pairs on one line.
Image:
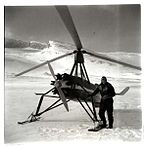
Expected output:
{"points": [[100, 27]]}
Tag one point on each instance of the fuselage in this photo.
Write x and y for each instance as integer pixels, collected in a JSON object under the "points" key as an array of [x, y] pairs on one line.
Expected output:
{"points": [[75, 87]]}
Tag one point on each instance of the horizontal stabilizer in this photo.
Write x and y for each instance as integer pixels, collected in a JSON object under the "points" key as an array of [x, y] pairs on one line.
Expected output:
{"points": [[124, 91], [52, 96]]}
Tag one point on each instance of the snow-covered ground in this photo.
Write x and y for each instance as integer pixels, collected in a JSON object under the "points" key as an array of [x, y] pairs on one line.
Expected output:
{"points": [[57, 124]]}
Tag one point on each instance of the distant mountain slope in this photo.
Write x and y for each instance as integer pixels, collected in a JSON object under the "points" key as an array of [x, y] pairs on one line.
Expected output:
{"points": [[13, 43]]}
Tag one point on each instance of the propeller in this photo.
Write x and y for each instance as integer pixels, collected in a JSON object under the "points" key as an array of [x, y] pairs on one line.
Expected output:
{"points": [[65, 15], [42, 64], [113, 60], [58, 85]]}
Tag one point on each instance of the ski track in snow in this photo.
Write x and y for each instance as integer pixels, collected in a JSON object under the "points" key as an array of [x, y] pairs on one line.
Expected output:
{"points": [[80, 132]]}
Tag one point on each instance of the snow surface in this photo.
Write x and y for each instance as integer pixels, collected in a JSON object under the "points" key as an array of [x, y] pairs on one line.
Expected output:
{"points": [[59, 125]]}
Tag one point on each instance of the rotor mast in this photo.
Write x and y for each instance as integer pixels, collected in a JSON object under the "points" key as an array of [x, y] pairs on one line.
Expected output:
{"points": [[78, 68]]}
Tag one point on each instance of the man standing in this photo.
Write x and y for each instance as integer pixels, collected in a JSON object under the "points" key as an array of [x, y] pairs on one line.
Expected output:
{"points": [[107, 93]]}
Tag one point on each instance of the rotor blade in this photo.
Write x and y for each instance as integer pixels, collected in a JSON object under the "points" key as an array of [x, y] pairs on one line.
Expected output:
{"points": [[35, 67], [113, 60], [40, 65], [68, 22], [58, 86], [62, 56]]}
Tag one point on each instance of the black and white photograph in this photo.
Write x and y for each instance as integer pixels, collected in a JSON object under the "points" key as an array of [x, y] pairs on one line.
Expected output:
{"points": [[72, 72]]}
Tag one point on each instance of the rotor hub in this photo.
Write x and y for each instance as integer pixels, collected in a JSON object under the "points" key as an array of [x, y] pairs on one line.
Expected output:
{"points": [[79, 58]]}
